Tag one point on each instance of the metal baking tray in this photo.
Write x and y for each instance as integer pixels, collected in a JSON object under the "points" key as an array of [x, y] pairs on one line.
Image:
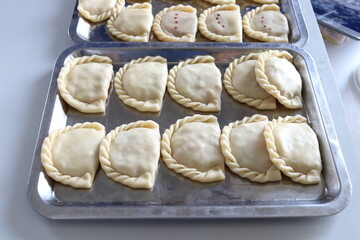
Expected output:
{"points": [[174, 196], [82, 30]]}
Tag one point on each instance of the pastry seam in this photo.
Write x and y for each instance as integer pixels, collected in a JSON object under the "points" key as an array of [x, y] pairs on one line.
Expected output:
{"points": [[258, 35], [212, 106], [130, 101], [98, 18], [84, 181]]}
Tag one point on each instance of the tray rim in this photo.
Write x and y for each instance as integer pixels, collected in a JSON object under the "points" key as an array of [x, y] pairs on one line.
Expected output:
{"points": [[299, 17], [209, 212]]}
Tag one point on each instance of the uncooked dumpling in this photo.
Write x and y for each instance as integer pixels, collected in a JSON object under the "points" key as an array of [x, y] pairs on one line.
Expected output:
{"points": [[191, 147], [240, 82], [221, 23], [130, 154], [84, 83], [294, 149], [99, 10], [141, 83], [176, 24], [133, 23], [243, 146], [70, 155], [196, 83], [267, 24]]}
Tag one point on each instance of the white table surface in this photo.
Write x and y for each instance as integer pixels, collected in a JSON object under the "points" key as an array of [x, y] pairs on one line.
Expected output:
{"points": [[32, 36]]}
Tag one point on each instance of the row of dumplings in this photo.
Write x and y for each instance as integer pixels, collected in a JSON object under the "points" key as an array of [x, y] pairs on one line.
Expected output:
{"points": [[253, 148], [257, 79], [221, 23]]}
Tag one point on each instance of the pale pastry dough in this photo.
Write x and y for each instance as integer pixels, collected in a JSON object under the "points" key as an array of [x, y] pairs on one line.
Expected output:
{"points": [[133, 23], [84, 83], [70, 155], [141, 84], [240, 82], [221, 2], [277, 75], [196, 83], [221, 23], [130, 153], [243, 146], [191, 147], [99, 10], [267, 24], [176, 24], [294, 149], [266, 1]]}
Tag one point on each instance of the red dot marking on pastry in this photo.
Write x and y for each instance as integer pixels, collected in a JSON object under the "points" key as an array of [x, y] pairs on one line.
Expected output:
{"points": [[218, 22], [218, 14], [262, 17], [270, 29], [262, 21], [223, 26], [176, 22], [176, 14], [264, 26], [217, 18], [175, 17], [175, 28]]}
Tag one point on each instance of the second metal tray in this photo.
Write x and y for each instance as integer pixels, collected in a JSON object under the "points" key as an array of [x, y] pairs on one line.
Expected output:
{"points": [[82, 30], [174, 196]]}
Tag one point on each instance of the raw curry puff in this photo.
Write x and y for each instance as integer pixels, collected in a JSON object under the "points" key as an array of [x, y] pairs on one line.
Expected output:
{"points": [[196, 83], [221, 23], [84, 83], [267, 24], [240, 82], [132, 23], [294, 149], [243, 146], [70, 155], [141, 84], [221, 1], [176, 24], [97, 11], [130, 154], [277, 75], [191, 147]]}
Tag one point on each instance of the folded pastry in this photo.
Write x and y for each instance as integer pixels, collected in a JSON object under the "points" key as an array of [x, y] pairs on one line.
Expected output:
{"points": [[221, 23], [130, 154], [266, 1], [191, 147], [243, 146], [294, 149], [267, 24], [176, 24], [240, 82], [196, 83], [84, 83], [70, 155], [277, 75], [99, 10], [132, 23], [141, 83]]}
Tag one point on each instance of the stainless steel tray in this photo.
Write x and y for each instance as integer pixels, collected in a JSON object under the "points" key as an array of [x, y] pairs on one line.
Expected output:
{"points": [[81, 30], [174, 196]]}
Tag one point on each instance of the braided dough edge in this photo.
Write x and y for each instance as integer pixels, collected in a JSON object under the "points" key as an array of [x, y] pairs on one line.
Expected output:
{"points": [[162, 36], [221, 1], [105, 15], [213, 36], [145, 180], [268, 103], [126, 37], [212, 106], [266, 1], [84, 181], [312, 177], [262, 79], [94, 107], [262, 36], [214, 174], [272, 174], [153, 105]]}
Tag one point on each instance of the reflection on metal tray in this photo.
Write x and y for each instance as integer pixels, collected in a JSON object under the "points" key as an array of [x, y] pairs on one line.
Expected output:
{"points": [[174, 196], [82, 30]]}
